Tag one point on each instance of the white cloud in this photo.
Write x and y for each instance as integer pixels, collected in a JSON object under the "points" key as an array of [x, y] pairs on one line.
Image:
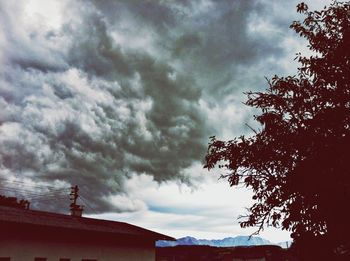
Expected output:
{"points": [[44, 13], [210, 211]]}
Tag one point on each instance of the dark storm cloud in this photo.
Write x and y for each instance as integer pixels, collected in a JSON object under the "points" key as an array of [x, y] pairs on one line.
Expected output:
{"points": [[173, 115], [119, 89]]}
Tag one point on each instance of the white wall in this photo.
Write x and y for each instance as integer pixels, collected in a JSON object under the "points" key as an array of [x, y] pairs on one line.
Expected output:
{"points": [[20, 250]]}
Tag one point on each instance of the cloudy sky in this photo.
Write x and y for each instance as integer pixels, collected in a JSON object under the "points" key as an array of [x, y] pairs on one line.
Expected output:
{"points": [[121, 97]]}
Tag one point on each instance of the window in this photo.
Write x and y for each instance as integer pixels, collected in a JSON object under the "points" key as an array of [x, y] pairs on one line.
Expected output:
{"points": [[40, 259], [5, 258]]}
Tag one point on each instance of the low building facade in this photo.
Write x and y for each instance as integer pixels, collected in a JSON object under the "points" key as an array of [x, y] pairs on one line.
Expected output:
{"points": [[42, 236]]}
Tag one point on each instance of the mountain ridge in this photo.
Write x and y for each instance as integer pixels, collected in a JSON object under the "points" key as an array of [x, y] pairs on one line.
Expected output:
{"points": [[225, 242]]}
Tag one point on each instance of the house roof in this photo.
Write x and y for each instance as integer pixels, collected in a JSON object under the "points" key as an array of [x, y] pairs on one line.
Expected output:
{"points": [[55, 220]]}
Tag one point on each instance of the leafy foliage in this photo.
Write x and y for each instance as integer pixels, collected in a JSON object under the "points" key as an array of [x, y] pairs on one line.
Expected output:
{"points": [[298, 164], [14, 202]]}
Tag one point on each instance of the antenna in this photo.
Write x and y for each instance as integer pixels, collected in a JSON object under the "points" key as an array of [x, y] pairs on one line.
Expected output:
{"points": [[75, 209]]}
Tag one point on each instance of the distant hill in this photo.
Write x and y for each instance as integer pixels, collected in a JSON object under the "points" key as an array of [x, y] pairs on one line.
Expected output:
{"points": [[226, 242]]}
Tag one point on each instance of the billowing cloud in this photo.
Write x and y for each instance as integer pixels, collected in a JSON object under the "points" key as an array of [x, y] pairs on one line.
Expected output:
{"points": [[209, 211], [95, 92]]}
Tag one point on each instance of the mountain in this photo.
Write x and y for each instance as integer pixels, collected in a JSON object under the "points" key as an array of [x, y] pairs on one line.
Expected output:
{"points": [[226, 242]]}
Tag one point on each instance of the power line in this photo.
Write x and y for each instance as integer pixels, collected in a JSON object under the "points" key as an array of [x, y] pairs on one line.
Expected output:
{"points": [[50, 199], [36, 194], [47, 196], [87, 204], [30, 193], [26, 184], [30, 189], [39, 193]]}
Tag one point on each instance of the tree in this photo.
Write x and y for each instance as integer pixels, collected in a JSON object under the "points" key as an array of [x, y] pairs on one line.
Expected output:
{"points": [[298, 163], [14, 202]]}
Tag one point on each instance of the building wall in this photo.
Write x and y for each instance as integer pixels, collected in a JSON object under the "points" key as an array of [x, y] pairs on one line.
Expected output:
{"points": [[24, 250], [249, 259]]}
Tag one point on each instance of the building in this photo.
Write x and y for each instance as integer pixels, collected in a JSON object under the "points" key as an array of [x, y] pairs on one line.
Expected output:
{"points": [[211, 253], [27, 235]]}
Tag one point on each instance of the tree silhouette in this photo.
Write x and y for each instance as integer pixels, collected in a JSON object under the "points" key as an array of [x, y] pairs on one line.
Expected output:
{"points": [[14, 202], [298, 163]]}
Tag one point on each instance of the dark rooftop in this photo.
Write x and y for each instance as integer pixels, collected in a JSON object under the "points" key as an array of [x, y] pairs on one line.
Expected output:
{"points": [[54, 220]]}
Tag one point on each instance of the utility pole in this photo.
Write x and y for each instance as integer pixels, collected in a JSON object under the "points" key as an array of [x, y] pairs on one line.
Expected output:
{"points": [[75, 209]]}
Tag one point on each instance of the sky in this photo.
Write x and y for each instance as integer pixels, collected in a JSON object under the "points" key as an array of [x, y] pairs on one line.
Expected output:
{"points": [[121, 97]]}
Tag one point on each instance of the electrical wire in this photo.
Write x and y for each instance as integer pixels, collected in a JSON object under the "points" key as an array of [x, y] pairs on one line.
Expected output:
{"points": [[39, 193], [33, 190], [87, 204], [25, 184]]}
